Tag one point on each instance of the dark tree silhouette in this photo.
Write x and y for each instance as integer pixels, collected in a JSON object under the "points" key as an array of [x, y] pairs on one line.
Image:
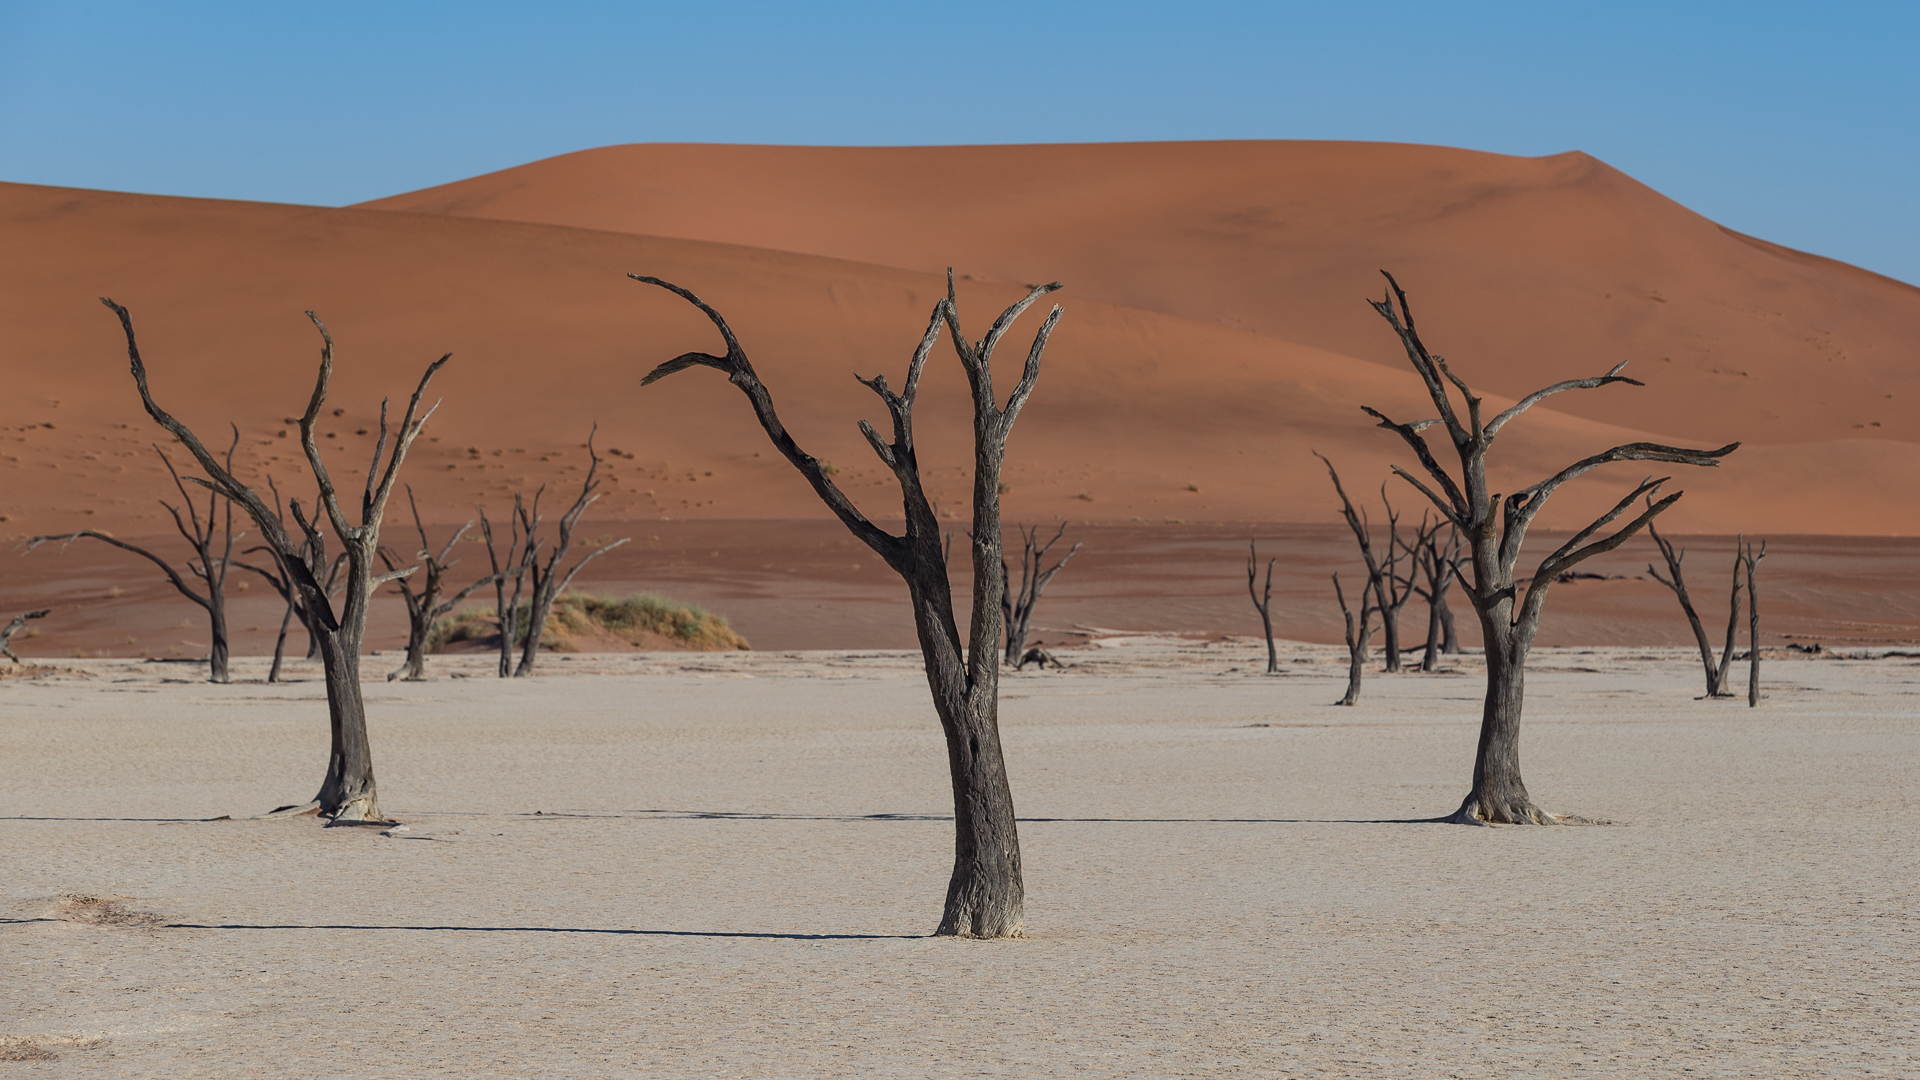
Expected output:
{"points": [[212, 557], [1751, 562], [1016, 606], [1263, 603], [1392, 587], [549, 581], [1438, 563], [18, 623], [1358, 631], [347, 793], [511, 567], [1495, 528], [425, 607], [1676, 581], [986, 894]]}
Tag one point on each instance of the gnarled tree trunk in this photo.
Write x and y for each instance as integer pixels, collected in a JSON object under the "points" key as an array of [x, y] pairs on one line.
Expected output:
{"points": [[986, 894], [1495, 528]]}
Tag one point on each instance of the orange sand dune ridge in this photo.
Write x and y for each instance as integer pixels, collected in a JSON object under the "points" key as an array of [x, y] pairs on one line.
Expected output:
{"points": [[1522, 269], [1139, 414]]}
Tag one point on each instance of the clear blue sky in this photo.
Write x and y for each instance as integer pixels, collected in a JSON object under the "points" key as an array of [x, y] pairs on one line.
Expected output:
{"points": [[1794, 122]]}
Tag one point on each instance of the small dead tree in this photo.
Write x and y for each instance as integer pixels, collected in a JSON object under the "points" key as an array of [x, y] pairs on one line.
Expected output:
{"points": [[1016, 606], [1363, 535], [1394, 589], [425, 607], [1676, 581], [1263, 603], [548, 582], [1751, 562], [347, 793], [986, 894], [18, 624], [511, 567], [209, 563], [1439, 564], [1357, 634], [1495, 528]]}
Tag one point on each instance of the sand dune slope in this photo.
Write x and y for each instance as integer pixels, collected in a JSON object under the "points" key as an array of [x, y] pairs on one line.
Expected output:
{"points": [[1139, 414], [1525, 270]]}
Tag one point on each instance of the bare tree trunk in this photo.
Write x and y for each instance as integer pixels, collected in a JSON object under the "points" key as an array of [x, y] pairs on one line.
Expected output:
{"points": [[986, 894], [548, 581], [1752, 562], [1357, 636], [1263, 603], [1439, 567], [511, 568], [1449, 637], [1677, 582], [347, 792], [1018, 606], [1495, 529], [18, 623], [280, 643]]}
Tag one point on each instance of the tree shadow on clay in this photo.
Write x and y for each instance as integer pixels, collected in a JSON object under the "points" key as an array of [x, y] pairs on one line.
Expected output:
{"points": [[547, 930]]}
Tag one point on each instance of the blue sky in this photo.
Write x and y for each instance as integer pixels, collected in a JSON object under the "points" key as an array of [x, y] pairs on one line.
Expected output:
{"points": [[1794, 122]]}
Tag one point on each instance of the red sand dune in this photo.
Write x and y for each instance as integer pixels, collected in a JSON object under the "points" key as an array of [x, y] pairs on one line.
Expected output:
{"points": [[1523, 270], [1155, 415]]}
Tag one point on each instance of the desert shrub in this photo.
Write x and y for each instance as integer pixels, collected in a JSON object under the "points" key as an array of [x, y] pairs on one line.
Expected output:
{"points": [[578, 615]]}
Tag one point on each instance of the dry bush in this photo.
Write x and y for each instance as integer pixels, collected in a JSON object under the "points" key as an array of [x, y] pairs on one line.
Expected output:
{"points": [[577, 615]]}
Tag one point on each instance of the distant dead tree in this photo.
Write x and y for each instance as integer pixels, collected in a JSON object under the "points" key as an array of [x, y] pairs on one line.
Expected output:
{"points": [[1751, 562], [1373, 598], [1358, 631], [425, 607], [18, 624], [207, 564], [986, 894], [347, 793], [1439, 564], [1263, 603], [1495, 528], [1016, 606], [1716, 671], [513, 566], [548, 581], [1393, 587]]}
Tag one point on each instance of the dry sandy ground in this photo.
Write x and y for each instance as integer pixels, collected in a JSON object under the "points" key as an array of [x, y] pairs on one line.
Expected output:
{"points": [[717, 866]]}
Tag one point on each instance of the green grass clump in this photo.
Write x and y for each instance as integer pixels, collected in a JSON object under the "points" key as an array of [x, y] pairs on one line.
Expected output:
{"points": [[578, 615]]}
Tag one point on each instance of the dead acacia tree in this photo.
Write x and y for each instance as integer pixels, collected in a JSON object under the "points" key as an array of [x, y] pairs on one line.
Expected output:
{"points": [[1439, 564], [1363, 535], [1495, 527], [1358, 631], [1393, 588], [986, 894], [1263, 603], [1016, 606], [209, 563], [18, 624], [425, 607], [1751, 562], [1716, 671], [548, 582], [347, 792]]}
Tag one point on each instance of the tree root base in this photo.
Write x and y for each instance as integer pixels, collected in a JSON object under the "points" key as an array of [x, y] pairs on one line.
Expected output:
{"points": [[1472, 812]]}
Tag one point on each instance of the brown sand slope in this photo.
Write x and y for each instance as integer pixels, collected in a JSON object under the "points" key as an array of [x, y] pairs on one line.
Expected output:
{"points": [[1523, 269], [1139, 414]]}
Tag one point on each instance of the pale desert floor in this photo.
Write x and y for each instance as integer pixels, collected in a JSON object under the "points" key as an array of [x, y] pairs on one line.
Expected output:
{"points": [[726, 866]]}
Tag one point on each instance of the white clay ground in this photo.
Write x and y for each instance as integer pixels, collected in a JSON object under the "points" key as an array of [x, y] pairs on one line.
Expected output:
{"points": [[725, 866]]}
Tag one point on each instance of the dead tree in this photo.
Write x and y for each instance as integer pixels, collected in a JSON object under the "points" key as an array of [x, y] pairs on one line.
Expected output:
{"points": [[1016, 607], [1751, 562], [513, 567], [425, 608], [19, 623], [1263, 603], [1363, 534], [1676, 581], [206, 564], [1393, 588], [548, 582], [1495, 527], [1439, 564], [347, 793], [986, 894], [1357, 636]]}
